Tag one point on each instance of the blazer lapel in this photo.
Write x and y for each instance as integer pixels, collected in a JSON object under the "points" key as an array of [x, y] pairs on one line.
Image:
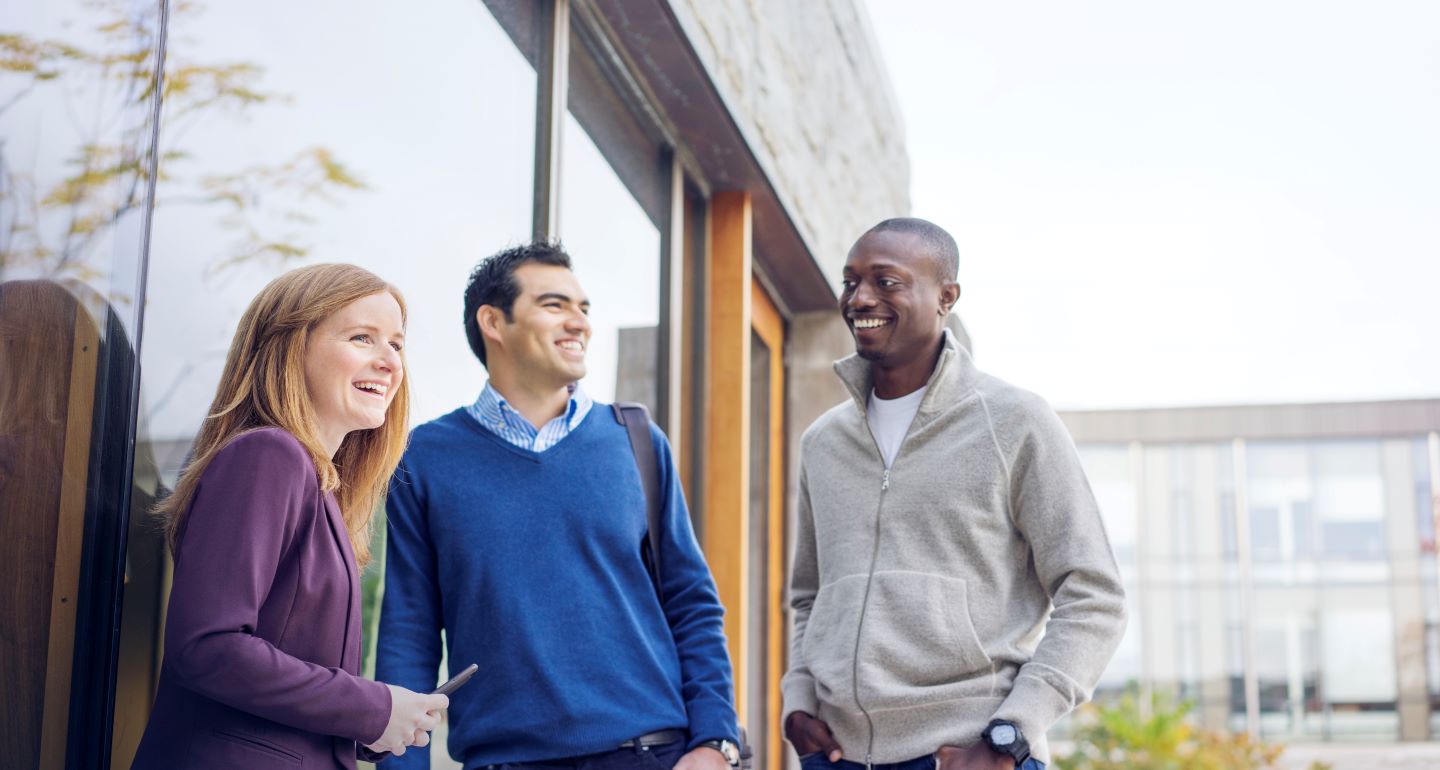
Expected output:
{"points": [[350, 651]]}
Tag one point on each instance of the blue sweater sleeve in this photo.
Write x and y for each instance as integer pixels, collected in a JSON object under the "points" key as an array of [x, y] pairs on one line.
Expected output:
{"points": [[408, 647], [693, 609]]}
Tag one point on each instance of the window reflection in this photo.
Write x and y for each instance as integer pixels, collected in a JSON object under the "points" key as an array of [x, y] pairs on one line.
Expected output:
{"points": [[398, 137], [616, 249], [76, 96]]}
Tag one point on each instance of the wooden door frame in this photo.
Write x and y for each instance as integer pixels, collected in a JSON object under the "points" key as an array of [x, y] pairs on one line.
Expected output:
{"points": [[769, 326], [736, 307]]}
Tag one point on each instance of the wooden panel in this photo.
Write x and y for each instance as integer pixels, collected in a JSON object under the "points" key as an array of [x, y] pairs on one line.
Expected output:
{"points": [[770, 327], [727, 473], [69, 537], [35, 338], [46, 413]]}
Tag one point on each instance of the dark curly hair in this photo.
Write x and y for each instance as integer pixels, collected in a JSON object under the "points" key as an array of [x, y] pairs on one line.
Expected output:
{"points": [[492, 282]]}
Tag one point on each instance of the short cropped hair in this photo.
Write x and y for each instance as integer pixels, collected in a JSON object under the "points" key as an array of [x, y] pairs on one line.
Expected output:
{"points": [[492, 282], [942, 245]]}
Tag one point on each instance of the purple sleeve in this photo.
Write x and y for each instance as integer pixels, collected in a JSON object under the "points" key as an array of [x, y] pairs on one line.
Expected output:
{"points": [[247, 509]]}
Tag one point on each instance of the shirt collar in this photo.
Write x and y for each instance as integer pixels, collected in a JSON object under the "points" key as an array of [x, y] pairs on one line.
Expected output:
{"points": [[492, 407]]}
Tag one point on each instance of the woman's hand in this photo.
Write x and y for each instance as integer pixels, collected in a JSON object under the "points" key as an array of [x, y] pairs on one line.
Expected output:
{"points": [[412, 716]]}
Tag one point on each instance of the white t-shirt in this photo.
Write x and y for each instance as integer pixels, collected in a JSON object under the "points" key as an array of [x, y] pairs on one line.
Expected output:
{"points": [[890, 418]]}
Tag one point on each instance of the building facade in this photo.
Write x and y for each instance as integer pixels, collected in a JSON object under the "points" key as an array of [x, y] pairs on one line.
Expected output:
{"points": [[706, 165], [1280, 562]]}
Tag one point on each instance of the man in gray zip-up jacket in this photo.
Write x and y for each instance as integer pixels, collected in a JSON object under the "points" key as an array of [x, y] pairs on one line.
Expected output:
{"points": [[942, 514]]}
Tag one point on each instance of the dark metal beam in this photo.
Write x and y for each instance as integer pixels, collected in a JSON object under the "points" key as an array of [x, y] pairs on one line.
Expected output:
{"points": [[552, 89]]}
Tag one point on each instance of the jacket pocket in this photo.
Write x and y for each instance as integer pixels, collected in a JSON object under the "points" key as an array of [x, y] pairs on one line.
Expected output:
{"points": [[917, 643], [829, 644], [247, 750]]}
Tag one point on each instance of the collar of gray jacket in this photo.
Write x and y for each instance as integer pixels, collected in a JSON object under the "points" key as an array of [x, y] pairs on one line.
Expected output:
{"points": [[954, 378]]}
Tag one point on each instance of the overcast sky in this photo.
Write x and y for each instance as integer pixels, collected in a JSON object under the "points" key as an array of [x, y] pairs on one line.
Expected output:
{"points": [[1183, 203]]}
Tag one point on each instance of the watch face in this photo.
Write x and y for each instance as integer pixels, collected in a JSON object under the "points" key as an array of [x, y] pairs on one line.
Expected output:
{"points": [[1002, 735]]}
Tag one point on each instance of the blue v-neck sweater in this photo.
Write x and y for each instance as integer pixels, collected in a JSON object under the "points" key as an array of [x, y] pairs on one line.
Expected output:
{"points": [[531, 564]]}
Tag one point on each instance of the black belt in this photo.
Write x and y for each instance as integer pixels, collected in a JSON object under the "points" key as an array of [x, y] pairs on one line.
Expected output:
{"points": [[657, 738]]}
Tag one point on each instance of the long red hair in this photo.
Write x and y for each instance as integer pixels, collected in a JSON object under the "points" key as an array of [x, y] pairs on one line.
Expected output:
{"points": [[263, 385]]}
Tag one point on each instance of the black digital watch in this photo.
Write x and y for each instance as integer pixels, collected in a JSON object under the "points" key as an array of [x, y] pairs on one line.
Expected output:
{"points": [[1004, 737]]}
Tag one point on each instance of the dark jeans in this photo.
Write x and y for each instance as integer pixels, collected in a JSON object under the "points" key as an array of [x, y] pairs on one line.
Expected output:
{"points": [[817, 761], [662, 757]]}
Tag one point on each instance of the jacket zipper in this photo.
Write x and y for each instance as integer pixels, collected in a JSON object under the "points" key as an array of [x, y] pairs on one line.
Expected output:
{"points": [[865, 605], [870, 578]]}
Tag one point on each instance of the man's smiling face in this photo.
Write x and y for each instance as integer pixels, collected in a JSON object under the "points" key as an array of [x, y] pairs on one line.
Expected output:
{"points": [[549, 327], [893, 298]]}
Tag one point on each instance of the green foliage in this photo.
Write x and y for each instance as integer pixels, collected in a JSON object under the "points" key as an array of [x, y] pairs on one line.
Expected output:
{"points": [[372, 591], [1131, 734]]}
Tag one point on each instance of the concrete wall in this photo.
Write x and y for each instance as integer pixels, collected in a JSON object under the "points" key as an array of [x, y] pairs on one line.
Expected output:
{"points": [[806, 84]]}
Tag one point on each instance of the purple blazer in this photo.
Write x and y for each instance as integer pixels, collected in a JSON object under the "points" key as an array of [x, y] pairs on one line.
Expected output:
{"points": [[262, 635]]}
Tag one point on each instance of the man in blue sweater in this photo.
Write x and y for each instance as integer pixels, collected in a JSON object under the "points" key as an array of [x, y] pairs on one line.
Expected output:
{"points": [[516, 526]]}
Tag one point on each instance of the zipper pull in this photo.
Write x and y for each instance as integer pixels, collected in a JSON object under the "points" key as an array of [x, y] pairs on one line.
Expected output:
{"points": [[868, 765], [884, 485]]}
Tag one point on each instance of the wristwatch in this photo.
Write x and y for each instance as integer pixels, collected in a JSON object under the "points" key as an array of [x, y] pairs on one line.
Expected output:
{"points": [[1005, 738], [730, 751]]}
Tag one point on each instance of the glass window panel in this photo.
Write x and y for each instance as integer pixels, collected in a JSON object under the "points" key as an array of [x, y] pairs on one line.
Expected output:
{"points": [[1350, 499], [406, 148], [1235, 649], [631, 146], [1109, 471], [1225, 479], [351, 157], [1108, 467], [616, 253], [1265, 533], [611, 203], [76, 99], [1359, 655], [1425, 534], [1302, 527], [1278, 483], [1424, 503]]}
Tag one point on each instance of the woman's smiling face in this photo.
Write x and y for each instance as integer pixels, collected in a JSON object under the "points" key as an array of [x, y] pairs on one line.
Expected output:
{"points": [[353, 366]]}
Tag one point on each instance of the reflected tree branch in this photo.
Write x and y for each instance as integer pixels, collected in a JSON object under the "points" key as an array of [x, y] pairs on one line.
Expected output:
{"points": [[265, 205]]}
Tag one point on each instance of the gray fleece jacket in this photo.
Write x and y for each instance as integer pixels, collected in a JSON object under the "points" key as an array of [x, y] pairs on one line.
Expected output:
{"points": [[921, 593]]}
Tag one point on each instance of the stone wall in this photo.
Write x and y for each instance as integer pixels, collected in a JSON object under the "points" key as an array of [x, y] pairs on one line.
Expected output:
{"points": [[807, 85]]}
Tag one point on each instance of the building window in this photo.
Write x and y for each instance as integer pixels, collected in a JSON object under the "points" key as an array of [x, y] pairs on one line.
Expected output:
{"points": [[406, 148], [1325, 635], [1109, 469], [616, 252], [76, 105], [612, 205]]}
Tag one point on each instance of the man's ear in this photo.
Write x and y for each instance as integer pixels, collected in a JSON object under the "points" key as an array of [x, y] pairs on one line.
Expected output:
{"points": [[489, 318], [949, 295]]}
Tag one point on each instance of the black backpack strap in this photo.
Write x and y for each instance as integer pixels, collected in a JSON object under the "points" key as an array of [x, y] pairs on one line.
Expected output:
{"points": [[636, 419]]}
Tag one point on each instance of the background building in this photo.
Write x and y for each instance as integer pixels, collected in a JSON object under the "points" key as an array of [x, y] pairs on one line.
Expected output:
{"points": [[706, 165], [1281, 566]]}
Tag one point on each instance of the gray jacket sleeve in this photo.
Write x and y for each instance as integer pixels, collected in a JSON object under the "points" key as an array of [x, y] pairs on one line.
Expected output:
{"points": [[1055, 511]]}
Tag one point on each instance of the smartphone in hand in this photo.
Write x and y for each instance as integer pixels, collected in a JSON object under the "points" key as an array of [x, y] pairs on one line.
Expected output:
{"points": [[457, 681]]}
